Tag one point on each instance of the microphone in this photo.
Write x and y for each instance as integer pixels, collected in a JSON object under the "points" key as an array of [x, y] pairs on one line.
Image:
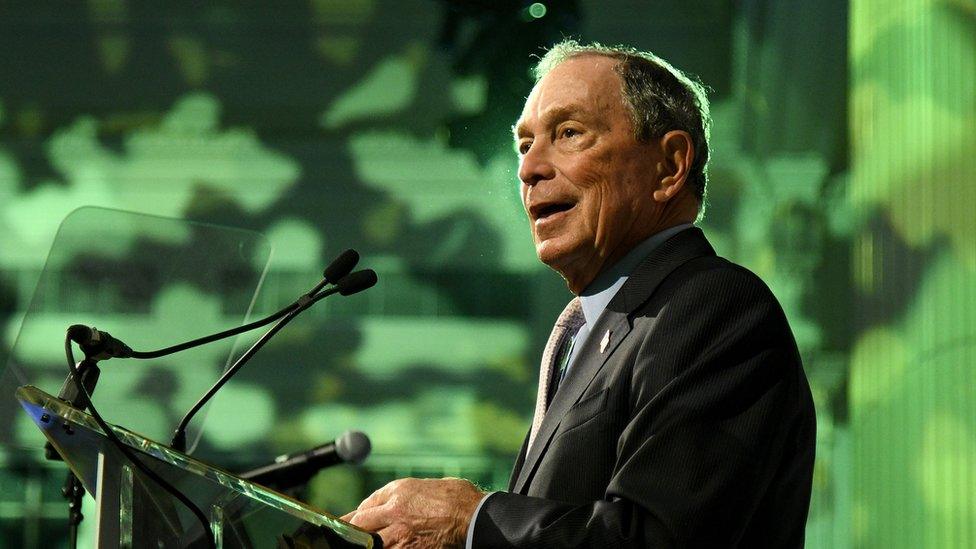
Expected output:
{"points": [[340, 266], [357, 282], [99, 345], [295, 469]]}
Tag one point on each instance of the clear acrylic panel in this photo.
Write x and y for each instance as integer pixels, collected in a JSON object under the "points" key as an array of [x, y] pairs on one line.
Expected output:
{"points": [[151, 282], [137, 512]]}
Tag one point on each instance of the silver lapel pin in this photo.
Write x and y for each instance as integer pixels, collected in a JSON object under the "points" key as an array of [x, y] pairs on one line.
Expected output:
{"points": [[604, 342]]}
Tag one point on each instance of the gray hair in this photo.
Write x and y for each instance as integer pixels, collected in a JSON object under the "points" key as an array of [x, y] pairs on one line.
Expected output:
{"points": [[660, 98]]}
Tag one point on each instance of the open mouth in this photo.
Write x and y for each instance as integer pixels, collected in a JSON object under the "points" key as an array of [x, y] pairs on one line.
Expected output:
{"points": [[548, 210]]}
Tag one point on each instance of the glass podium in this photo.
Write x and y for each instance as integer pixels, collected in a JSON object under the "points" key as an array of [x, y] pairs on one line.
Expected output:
{"points": [[152, 282], [133, 512]]}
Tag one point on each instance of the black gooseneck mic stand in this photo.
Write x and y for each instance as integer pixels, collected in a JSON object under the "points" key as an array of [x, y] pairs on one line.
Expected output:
{"points": [[98, 345], [347, 285]]}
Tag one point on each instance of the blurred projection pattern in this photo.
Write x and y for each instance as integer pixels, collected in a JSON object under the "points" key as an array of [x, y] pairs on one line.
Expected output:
{"points": [[843, 173], [913, 191]]}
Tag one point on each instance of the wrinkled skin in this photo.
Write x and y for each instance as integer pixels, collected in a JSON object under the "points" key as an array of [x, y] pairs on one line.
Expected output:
{"points": [[414, 513], [578, 154]]}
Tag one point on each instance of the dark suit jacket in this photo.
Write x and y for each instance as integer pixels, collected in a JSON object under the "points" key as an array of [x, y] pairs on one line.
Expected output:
{"points": [[694, 427]]}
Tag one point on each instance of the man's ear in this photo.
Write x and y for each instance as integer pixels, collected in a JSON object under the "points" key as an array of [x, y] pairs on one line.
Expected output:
{"points": [[678, 154]]}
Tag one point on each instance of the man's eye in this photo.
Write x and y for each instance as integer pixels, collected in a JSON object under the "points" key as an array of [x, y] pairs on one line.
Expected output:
{"points": [[570, 132], [524, 147]]}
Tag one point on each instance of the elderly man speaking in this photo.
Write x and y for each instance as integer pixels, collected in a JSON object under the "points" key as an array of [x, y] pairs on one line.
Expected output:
{"points": [[672, 410]]}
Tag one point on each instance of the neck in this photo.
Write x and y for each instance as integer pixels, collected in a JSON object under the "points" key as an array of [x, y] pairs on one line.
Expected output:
{"points": [[580, 274]]}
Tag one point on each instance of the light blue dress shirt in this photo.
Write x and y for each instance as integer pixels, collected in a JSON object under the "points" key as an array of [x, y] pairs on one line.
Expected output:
{"points": [[594, 300], [595, 297]]}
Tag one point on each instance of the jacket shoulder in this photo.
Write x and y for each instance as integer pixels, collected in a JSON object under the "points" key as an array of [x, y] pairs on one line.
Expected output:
{"points": [[718, 280]]}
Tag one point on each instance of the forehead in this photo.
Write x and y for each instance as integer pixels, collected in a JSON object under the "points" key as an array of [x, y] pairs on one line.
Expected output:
{"points": [[584, 85]]}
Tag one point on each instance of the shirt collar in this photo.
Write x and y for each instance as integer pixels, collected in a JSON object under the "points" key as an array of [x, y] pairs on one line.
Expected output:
{"points": [[595, 297]]}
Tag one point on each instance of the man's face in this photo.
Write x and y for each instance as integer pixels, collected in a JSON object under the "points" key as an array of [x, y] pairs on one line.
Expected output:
{"points": [[587, 183]]}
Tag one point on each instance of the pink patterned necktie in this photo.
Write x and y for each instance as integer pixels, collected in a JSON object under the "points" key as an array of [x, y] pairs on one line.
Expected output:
{"points": [[567, 325]]}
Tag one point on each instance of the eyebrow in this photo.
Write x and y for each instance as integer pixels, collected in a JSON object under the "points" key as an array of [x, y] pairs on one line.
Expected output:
{"points": [[557, 113]]}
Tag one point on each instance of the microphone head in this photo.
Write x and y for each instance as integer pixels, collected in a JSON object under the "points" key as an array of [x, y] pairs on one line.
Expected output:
{"points": [[341, 266], [353, 447], [357, 282]]}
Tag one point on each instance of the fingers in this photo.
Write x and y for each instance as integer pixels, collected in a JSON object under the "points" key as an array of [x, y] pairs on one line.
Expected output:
{"points": [[413, 512], [372, 519], [377, 511], [393, 537], [382, 495], [376, 499]]}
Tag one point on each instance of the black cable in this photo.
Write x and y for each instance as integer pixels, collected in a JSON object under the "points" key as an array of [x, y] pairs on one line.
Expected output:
{"points": [[336, 271], [179, 436], [214, 337], [129, 455]]}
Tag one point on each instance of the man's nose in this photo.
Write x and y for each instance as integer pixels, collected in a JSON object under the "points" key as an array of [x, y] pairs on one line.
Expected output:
{"points": [[536, 165]]}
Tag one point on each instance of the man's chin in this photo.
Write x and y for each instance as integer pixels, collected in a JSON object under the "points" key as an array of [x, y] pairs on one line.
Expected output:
{"points": [[569, 263], [553, 256]]}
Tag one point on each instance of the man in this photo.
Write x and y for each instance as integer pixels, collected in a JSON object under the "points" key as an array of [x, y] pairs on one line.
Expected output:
{"points": [[673, 409]]}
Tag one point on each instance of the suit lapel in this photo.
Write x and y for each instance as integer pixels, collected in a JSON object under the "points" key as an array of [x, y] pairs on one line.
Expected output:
{"points": [[517, 468], [588, 363], [676, 251]]}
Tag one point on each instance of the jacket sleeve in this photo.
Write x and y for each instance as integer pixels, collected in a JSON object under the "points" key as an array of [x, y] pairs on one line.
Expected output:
{"points": [[714, 388]]}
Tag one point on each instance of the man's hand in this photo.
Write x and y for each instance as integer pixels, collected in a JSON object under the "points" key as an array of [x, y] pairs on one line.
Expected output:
{"points": [[414, 512]]}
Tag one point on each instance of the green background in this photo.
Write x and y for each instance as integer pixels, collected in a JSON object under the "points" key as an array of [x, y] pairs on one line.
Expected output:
{"points": [[844, 159]]}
